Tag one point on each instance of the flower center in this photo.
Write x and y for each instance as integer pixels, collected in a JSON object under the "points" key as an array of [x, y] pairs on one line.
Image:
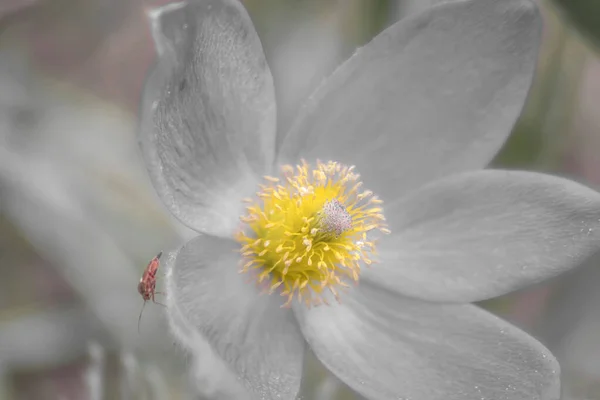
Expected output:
{"points": [[310, 231]]}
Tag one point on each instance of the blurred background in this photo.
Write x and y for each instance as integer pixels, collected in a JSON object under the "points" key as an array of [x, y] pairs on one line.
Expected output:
{"points": [[79, 219]]}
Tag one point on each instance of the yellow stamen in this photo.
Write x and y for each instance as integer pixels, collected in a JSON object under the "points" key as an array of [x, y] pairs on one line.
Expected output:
{"points": [[307, 233]]}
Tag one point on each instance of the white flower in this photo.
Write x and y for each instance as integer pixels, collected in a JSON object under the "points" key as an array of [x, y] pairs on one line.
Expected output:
{"points": [[418, 112]]}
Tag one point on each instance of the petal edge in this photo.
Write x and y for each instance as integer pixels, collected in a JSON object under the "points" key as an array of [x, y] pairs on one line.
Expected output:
{"points": [[208, 115], [388, 347], [434, 94], [257, 339], [479, 235]]}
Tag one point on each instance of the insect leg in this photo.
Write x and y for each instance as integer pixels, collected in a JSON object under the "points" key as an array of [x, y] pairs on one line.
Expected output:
{"points": [[140, 317]]}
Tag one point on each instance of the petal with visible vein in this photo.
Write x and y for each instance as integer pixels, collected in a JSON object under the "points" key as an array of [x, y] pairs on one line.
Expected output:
{"points": [[434, 94], [389, 347], [208, 112], [479, 235], [259, 340]]}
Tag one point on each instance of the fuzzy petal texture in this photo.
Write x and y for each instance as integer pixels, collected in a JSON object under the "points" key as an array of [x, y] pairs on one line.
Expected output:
{"points": [[208, 112], [388, 347], [212, 377], [436, 93], [259, 341], [479, 235]]}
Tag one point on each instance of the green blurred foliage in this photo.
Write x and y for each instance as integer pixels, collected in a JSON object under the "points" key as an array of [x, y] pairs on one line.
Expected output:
{"points": [[539, 140], [584, 15]]}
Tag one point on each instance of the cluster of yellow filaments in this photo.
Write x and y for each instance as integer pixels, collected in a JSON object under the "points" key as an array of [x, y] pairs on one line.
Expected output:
{"points": [[310, 231]]}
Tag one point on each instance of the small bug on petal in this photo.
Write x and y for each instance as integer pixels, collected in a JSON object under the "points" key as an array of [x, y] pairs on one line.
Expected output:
{"points": [[147, 285]]}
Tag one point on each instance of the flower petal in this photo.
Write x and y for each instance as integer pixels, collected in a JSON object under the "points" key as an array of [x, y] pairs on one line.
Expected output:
{"points": [[571, 323], [255, 337], [387, 347], [212, 377], [208, 112], [482, 234], [436, 93]]}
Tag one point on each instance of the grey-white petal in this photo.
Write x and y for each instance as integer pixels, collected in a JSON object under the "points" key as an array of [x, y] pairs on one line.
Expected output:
{"points": [[389, 347], [259, 340], [208, 112], [478, 235], [212, 377], [436, 93]]}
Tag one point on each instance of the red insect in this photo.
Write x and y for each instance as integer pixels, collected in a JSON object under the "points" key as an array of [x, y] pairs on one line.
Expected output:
{"points": [[147, 285]]}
